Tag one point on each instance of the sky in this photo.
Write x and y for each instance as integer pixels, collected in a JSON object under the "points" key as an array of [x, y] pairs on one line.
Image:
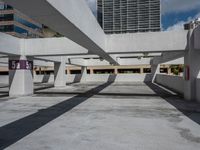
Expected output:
{"points": [[175, 13]]}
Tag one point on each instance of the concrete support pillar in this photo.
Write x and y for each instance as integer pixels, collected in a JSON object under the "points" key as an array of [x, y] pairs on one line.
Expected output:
{"points": [[83, 73], [59, 73], [34, 73], [91, 71], [20, 76], [116, 71], [169, 70], [155, 69], [192, 69], [141, 70], [68, 71]]}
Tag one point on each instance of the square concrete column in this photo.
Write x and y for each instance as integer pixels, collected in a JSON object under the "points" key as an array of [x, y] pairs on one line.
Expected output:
{"points": [[116, 70], [169, 71], [155, 69], [141, 70], [20, 76], [68, 71], [59, 73], [83, 73], [91, 71], [192, 69]]}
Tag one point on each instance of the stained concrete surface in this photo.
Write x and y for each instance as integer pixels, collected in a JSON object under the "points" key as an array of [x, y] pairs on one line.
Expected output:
{"points": [[106, 116]]}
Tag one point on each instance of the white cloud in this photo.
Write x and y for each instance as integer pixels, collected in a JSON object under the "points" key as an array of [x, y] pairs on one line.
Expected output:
{"points": [[179, 25], [171, 6]]}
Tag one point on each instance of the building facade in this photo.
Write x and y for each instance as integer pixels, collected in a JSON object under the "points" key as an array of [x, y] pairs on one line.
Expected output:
{"points": [[129, 16], [17, 24]]}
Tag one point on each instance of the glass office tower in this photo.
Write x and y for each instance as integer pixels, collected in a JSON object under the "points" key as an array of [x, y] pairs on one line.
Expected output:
{"points": [[17, 24], [129, 16]]}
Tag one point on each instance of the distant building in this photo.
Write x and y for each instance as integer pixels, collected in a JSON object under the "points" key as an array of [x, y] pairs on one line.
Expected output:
{"points": [[129, 16], [17, 24]]}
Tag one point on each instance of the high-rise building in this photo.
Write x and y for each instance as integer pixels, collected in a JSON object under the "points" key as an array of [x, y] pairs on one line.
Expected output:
{"points": [[17, 24], [128, 16]]}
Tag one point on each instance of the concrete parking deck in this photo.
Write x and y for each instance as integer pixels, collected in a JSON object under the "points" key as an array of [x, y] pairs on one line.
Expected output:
{"points": [[106, 116]]}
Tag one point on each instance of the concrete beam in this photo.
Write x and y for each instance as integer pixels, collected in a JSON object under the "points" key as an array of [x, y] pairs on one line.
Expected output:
{"points": [[43, 63], [66, 47], [134, 61], [166, 57], [53, 47], [175, 61], [76, 62], [9, 45], [147, 42], [136, 55], [48, 59], [116, 44], [71, 18]]}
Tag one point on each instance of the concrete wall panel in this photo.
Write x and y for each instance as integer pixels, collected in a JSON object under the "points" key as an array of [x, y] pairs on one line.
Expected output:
{"points": [[197, 89], [197, 38], [175, 83]]}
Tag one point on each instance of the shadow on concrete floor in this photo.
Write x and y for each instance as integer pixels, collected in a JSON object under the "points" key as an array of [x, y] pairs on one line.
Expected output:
{"points": [[56, 93], [188, 108], [13, 132], [43, 87]]}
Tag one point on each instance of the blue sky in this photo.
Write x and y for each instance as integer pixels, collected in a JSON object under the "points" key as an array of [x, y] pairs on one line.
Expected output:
{"points": [[175, 13]]}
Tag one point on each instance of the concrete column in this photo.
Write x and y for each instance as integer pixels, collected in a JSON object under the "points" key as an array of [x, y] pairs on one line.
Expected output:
{"points": [[116, 71], [59, 73], [20, 76], [68, 71], [141, 70], [34, 73], [192, 69], [83, 73], [91, 71], [155, 69], [40, 70], [169, 71]]}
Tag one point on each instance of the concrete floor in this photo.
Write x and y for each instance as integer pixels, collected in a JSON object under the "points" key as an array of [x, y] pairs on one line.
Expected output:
{"points": [[131, 116]]}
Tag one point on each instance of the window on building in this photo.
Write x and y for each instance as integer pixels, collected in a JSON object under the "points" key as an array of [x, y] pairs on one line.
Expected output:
{"points": [[7, 28], [20, 30], [5, 7], [26, 23], [6, 17]]}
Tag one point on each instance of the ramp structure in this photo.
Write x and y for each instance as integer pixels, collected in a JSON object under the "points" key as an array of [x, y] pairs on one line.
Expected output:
{"points": [[84, 39]]}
